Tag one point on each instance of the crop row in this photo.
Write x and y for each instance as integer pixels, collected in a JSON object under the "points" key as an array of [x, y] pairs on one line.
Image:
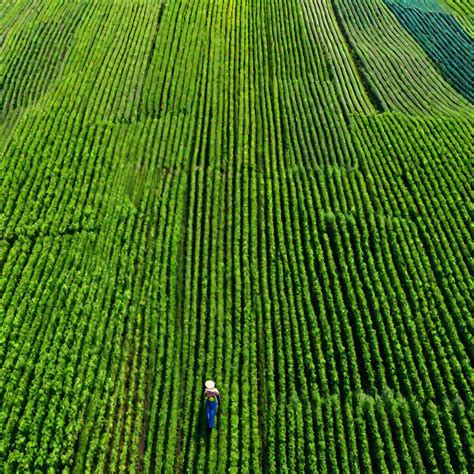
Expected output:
{"points": [[444, 41], [394, 64], [202, 196]]}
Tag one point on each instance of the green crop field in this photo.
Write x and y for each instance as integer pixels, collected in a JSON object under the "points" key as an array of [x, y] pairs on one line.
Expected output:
{"points": [[273, 194]]}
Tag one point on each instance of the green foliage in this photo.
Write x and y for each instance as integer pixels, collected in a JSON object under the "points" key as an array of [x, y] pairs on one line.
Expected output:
{"points": [[198, 190]]}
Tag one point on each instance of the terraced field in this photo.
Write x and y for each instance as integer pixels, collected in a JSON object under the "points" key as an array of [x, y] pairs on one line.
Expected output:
{"points": [[275, 194]]}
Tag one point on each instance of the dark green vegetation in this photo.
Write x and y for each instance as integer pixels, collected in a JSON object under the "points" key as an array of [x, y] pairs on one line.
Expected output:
{"points": [[272, 193], [444, 41]]}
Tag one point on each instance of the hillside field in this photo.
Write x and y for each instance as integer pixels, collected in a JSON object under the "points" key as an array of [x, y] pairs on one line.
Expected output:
{"points": [[274, 194]]}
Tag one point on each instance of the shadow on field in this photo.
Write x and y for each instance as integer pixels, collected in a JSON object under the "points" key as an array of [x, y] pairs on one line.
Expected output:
{"points": [[202, 431]]}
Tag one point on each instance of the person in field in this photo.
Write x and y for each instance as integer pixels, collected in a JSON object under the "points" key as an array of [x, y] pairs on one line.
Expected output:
{"points": [[212, 401]]}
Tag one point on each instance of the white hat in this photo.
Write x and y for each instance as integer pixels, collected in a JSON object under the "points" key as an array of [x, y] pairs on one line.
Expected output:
{"points": [[210, 384]]}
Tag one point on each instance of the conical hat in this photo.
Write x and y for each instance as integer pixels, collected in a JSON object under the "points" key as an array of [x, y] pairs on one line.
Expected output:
{"points": [[210, 384]]}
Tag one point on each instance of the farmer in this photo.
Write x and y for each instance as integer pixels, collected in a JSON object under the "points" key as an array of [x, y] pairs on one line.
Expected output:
{"points": [[212, 401]]}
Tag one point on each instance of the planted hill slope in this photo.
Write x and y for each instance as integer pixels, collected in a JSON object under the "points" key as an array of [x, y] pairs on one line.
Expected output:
{"points": [[200, 190], [443, 40], [394, 63], [464, 11]]}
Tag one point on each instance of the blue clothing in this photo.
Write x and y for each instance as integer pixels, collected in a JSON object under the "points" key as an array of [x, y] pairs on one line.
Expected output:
{"points": [[211, 408]]}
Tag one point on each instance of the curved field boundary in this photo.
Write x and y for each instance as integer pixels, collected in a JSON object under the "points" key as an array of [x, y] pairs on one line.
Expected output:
{"points": [[395, 65], [464, 10], [206, 192], [326, 39], [444, 41]]}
